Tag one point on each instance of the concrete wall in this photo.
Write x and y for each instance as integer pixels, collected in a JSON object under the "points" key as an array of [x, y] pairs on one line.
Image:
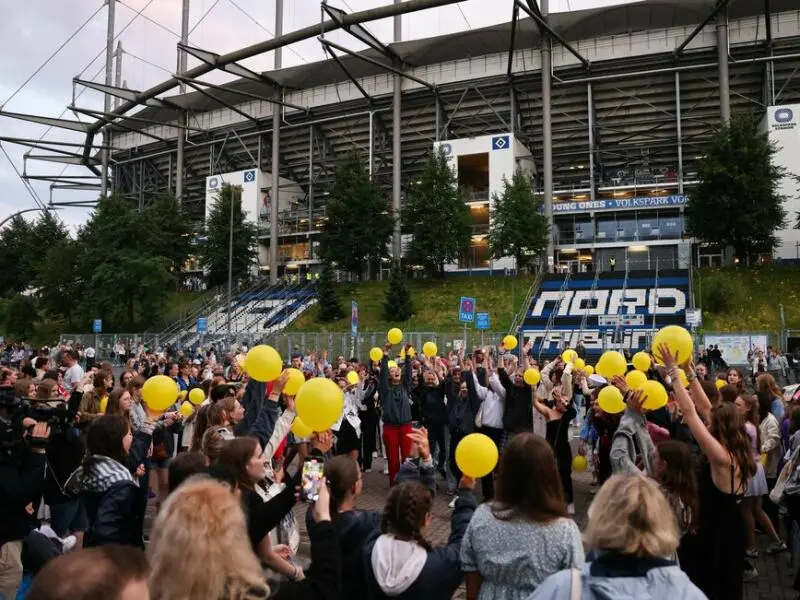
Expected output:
{"points": [[783, 123]]}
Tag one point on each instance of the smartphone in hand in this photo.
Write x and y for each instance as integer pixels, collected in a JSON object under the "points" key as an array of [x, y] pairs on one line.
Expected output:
{"points": [[311, 478]]}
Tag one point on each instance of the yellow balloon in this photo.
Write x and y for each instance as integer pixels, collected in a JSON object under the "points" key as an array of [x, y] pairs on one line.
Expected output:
{"points": [[159, 393], [677, 339], [579, 464], [569, 355], [580, 364], [589, 370], [429, 349], [352, 378], [476, 455], [263, 363], [611, 364], [300, 429], [182, 394], [376, 354], [763, 459], [655, 396], [196, 396], [641, 361], [392, 364], [635, 379], [187, 409], [532, 376], [610, 400], [510, 342], [296, 379], [720, 383], [103, 404], [395, 335], [319, 403], [683, 379]]}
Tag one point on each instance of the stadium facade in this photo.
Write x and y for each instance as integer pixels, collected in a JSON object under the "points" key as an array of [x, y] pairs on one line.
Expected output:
{"points": [[610, 108]]}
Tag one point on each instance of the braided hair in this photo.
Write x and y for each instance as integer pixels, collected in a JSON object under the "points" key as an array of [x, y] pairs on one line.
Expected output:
{"points": [[405, 511]]}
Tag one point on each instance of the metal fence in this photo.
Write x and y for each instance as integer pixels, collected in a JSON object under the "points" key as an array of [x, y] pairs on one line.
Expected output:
{"points": [[338, 343]]}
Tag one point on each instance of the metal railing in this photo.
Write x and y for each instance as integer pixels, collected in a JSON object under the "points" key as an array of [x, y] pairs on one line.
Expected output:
{"points": [[590, 305], [336, 344], [519, 318], [556, 307]]}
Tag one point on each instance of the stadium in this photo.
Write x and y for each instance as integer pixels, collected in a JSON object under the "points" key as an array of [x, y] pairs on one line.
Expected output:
{"points": [[609, 108]]}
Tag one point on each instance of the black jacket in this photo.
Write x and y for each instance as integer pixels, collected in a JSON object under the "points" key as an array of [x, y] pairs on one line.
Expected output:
{"points": [[461, 411], [64, 454], [21, 483], [263, 517], [433, 407], [518, 408], [441, 575], [110, 516], [324, 579], [395, 399]]}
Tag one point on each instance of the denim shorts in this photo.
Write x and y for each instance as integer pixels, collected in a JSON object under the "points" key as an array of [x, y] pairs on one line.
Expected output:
{"points": [[68, 517]]}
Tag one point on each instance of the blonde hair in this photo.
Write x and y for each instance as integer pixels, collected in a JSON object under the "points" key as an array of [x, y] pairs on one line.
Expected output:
{"points": [[631, 515], [205, 521], [213, 441]]}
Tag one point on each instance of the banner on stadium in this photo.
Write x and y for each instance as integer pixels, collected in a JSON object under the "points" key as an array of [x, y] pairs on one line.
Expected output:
{"points": [[620, 203], [735, 347]]}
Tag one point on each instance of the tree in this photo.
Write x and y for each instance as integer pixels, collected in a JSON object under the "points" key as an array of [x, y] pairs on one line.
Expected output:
{"points": [[359, 225], [518, 228], [737, 202], [20, 316], [437, 217], [330, 308], [398, 305], [60, 281], [15, 240], [214, 251], [126, 269]]}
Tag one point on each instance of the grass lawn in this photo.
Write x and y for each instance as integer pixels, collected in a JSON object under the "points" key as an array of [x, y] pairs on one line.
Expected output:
{"points": [[435, 304], [747, 299]]}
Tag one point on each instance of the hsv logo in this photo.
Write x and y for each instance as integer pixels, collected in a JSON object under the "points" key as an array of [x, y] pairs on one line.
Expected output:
{"points": [[783, 115], [213, 183], [249, 176], [500, 142]]}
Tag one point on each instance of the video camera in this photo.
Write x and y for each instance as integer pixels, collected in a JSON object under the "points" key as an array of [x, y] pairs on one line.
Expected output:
{"points": [[14, 409]]}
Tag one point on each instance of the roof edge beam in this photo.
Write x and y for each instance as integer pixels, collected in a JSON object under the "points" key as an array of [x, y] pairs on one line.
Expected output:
{"points": [[352, 79], [49, 121], [377, 63], [33, 144], [230, 107], [537, 17], [110, 117], [74, 159], [76, 186], [360, 32], [212, 59], [125, 94], [721, 4], [109, 121], [214, 86]]}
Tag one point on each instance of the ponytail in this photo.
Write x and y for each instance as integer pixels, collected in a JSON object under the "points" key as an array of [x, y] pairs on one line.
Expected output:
{"points": [[342, 473]]}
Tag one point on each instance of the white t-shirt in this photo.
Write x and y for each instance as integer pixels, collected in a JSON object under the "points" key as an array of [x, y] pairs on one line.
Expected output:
{"points": [[72, 377]]}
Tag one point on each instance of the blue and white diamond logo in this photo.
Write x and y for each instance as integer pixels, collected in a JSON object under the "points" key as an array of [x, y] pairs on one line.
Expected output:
{"points": [[783, 115], [249, 176], [500, 142]]}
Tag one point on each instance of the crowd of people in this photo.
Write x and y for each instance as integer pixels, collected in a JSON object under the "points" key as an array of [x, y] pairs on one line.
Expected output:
{"points": [[680, 490]]}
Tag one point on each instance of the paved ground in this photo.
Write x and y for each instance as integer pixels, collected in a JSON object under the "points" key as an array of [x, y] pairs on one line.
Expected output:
{"points": [[773, 582]]}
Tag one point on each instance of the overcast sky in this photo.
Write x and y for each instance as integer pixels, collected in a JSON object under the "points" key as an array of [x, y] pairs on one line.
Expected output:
{"points": [[32, 30]]}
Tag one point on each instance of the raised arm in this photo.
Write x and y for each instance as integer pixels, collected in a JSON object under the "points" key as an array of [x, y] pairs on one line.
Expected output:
{"points": [[697, 394]]}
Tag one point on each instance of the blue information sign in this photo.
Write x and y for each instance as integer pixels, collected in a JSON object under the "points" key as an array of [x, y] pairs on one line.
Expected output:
{"points": [[466, 309], [97, 326], [354, 318], [202, 325], [482, 320]]}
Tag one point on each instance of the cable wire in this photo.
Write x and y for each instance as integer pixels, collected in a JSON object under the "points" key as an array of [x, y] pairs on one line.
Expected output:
{"points": [[461, 10], [210, 8], [153, 21], [52, 56], [147, 62], [31, 191], [265, 29]]}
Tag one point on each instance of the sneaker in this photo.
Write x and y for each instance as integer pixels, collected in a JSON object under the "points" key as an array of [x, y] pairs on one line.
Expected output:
{"points": [[367, 470], [570, 509], [374, 455], [751, 553], [777, 548], [385, 470], [750, 574], [68, 543], [453, 502]]}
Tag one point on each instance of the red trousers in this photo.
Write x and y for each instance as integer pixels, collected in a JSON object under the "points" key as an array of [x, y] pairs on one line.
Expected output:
{"points": [[397, 446]]}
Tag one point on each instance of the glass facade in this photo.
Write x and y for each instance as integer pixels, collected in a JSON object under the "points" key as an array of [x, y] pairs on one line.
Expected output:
{"points": [[622, 226]]}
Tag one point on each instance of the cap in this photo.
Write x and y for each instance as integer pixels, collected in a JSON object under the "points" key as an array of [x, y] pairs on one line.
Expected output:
{"points": [[597, 380], [197, 361]]}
